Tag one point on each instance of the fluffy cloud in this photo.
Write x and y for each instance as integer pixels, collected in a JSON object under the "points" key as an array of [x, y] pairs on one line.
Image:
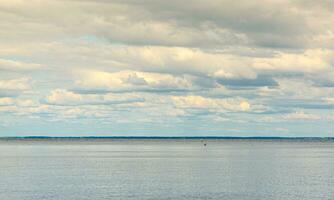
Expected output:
{"points": [[166, 64], [300, 115], [5, 101], [310, 61], [227, 67], [15, 84], [173, 23], [129, 81], [217, 104], [67, 98], [11, 65], [14, 87]]}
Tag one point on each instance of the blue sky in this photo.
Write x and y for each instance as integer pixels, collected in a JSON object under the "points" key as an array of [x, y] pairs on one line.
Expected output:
{"points": [[166, 68]]}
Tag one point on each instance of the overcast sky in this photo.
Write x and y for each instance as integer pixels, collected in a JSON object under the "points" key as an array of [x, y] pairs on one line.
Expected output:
{"points": [[167, 68]]}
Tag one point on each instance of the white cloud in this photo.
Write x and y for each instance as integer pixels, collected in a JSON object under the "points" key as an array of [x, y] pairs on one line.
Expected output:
{"points": [[179, 61], [11, 65], [245, 106], [210, 103], [63, 97], [130, 81], [310, 61], [329, 99], [15, 84], [6, 101], [301, 115], [166, 61]]}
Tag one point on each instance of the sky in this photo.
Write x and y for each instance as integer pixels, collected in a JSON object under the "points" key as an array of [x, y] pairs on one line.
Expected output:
{"points": [[166, 68]]}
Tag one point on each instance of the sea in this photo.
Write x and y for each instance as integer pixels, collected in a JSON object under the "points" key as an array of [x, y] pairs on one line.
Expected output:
{"points": [[166, 169]]}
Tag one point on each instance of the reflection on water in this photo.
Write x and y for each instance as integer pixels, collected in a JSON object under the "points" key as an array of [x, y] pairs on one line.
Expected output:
{"points": [[143, 169]]}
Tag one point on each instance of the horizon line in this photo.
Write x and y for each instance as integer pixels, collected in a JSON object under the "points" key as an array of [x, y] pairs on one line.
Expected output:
{"points": [[165, 137]]}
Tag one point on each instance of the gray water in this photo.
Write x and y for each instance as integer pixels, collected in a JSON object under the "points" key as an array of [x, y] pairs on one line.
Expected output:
{"points": [[140, 169]]}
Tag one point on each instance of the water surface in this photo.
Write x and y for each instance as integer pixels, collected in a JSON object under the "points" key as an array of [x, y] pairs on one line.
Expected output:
{"points": [[166, 169]]}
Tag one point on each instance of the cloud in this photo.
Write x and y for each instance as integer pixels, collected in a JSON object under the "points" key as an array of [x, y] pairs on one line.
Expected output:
{"points": [[195, 62], [119, 22], [11, 65], [18, 102], [301, 115], [310, 61], [245, 106], [306, 104], [166, 65], [259, 81], [14, 87], [210, 103], [63, 97], [262, 23], [213, 23], [15, 84], [130, 81], [6, 101]]}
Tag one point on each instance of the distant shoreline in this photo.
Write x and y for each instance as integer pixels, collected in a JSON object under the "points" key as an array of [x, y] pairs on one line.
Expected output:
{"points": [[161, 138]]}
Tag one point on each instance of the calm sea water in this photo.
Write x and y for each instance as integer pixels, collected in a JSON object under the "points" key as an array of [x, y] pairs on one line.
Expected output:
{"points": [[224, 169]]}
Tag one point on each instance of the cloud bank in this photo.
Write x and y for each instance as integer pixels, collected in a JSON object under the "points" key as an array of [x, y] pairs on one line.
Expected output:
{"points": [[194, 67]]}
